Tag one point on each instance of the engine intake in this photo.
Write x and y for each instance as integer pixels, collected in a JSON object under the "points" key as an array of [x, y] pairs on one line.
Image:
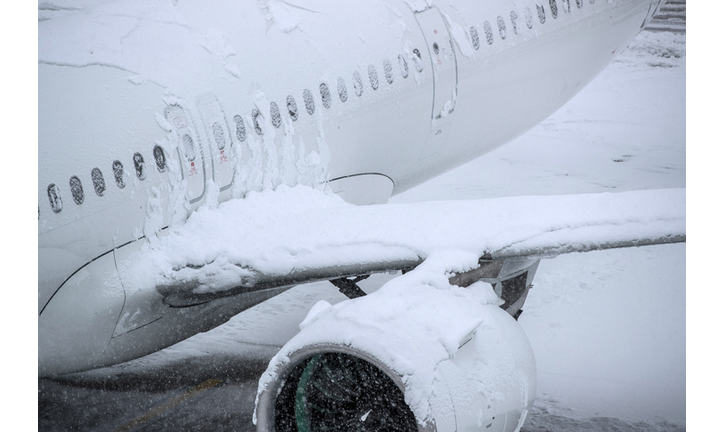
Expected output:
{"points": [[333, 390]]}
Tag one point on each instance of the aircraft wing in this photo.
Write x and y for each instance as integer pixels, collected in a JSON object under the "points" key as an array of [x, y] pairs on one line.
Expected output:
{"points": [[295, 235], [227, 257]]}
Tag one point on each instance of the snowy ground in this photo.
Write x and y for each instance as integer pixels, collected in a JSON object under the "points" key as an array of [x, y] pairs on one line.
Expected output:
{"points": [[608, 328]]}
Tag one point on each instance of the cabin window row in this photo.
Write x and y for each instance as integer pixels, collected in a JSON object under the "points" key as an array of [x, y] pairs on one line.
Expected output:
{"points": [[325, 94], [516, 26], [98, 180], [139, 164]]}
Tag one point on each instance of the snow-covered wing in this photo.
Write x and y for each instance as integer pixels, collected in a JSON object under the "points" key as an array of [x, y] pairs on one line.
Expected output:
{"points": [[295, 235]]}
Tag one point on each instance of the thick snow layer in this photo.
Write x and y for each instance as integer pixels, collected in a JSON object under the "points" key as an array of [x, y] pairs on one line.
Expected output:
{"points": [[292, 230], [411, 324]]}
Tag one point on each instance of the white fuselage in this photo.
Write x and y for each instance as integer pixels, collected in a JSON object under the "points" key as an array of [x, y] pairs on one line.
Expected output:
{"points": [[221, 98]]}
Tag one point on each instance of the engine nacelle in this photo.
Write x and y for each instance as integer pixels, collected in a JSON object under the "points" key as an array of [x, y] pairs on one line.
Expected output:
{"points": [[418, 358]]}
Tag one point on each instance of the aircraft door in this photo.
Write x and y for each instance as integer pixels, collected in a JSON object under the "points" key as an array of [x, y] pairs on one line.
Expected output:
{"points": [[190, 153], [444, 62], [219, 135]]}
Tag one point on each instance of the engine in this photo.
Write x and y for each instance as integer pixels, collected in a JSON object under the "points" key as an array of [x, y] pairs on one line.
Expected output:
{"points": [[419, 354]]}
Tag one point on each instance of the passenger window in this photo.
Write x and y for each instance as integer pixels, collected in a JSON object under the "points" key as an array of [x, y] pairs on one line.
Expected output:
{"points": [[541, 14], [488, 32], [514, 21], [189, 148], [140, 166], [554, 8], [404, 71], [99, 184], [56, 204], [276, 117], [308, 101], [528, 18], [326, 97], [357, 83], [342, 89], [76, 189], [218, 131], [240, 128], [475, 38], [501, 28], [255, 114], [118, 174], [372, 73], [387, 66], [160, 158], [292, 108], [417, 59]]}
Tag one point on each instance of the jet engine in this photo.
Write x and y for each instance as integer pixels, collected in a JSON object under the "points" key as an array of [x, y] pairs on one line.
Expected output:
{"points": [[416, 355]]}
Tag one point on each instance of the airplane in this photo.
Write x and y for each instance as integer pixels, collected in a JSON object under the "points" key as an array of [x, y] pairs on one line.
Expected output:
{"points": [[199, 158]]}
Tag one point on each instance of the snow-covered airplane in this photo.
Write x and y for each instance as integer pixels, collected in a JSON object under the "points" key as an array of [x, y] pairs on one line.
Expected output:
{"points": [[192, 156]]}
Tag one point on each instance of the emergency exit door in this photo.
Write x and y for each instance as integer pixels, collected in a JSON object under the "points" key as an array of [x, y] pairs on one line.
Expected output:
{"points": [[190, 152]]}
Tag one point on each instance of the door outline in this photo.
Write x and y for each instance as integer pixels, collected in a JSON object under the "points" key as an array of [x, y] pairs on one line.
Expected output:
{"points": [[431, 20], [186, 125]]}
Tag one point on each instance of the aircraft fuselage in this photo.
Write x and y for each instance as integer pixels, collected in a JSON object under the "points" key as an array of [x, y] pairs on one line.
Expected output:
{"points": [[147, 114]]}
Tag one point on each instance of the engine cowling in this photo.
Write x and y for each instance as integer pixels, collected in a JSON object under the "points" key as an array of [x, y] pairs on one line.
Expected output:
{"points": [[428, 357]]}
